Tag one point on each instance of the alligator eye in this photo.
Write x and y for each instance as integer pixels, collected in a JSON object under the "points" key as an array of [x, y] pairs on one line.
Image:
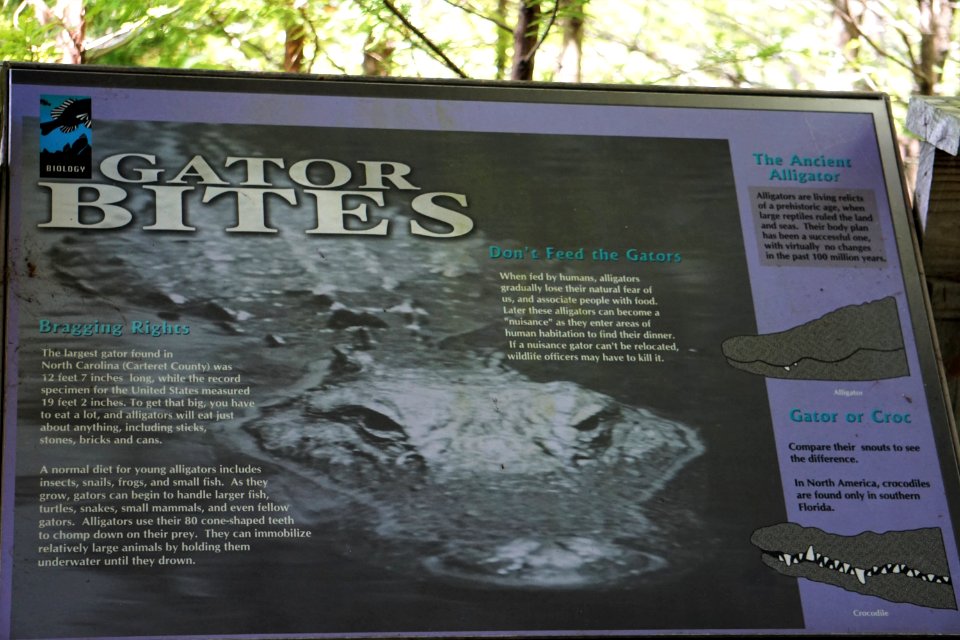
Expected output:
{"points": [[594, 436], [369, 423], [595, 419]]}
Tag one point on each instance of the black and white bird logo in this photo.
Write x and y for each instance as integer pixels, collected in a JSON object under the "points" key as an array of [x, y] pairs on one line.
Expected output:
{"points": [[68, 115]]}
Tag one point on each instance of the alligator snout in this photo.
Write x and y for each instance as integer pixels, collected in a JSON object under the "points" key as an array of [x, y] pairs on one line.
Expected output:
{"points": [[553, 562], [494, 476]]}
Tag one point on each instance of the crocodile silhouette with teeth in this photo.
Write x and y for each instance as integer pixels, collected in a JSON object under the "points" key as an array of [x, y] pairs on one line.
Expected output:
{"points": [[856, 342], [898, 566]]}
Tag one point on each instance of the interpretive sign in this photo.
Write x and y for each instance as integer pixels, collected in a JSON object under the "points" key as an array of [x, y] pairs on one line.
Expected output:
{"points": [[305, 357]]}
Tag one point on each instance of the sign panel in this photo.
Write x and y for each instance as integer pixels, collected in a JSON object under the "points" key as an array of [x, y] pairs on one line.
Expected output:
{"points": [[304, 357]]}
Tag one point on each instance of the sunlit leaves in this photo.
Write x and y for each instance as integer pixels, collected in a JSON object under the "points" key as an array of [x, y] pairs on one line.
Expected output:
{"points": [[778, 44]]}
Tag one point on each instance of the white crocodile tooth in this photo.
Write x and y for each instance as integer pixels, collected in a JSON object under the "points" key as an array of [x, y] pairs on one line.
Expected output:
{"points": [[810, 555], [846, 567], [836, 564], [780, 557], [930, 577], [860, 576], [786, 368], [883, 571], [946, 579], [911, 573], [896, 568], [788, 559]]}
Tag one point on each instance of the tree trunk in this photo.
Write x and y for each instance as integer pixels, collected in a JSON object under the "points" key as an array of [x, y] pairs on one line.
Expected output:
{"points": [[295, 39], [376, 56], [571, 54], [848, 40], [525, 40], [850, 19], [70, 15], [503, 41], [70, 38], [936, 21]]}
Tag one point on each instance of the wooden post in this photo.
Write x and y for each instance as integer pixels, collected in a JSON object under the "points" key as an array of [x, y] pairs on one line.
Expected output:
{"points": [[936, 121]]}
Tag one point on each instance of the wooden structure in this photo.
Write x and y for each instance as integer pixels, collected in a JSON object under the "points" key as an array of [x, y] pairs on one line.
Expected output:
{"points": [[936, 121]]}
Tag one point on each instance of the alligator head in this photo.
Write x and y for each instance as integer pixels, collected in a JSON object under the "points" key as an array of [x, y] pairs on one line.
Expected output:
{"points": [[419, 450], [493, 476], [856, 342], [898, 566]]}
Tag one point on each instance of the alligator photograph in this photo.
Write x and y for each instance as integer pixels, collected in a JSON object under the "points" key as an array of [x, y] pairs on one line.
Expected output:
{"points": [[445, 487], [442, 439]]}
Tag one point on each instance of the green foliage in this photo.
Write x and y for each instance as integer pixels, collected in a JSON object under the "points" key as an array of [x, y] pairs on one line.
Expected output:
{"points": [[23, 38], [778, 44]]}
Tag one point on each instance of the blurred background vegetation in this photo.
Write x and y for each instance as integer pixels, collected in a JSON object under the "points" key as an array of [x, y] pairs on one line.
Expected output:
{"points": [[900, 47]]}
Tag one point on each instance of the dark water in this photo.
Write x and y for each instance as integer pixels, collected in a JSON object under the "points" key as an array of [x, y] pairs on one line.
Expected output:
{"points": [[650, 533]]}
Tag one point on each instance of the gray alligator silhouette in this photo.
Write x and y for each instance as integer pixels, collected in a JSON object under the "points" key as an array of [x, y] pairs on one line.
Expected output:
{"points": [[856, 342], [898, 566]]}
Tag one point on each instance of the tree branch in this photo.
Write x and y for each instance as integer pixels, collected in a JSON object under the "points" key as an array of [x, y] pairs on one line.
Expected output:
{"points": [[476, 12], [430, 44], [221, 24], [881, 51], [316, 37], [553, 18]]}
